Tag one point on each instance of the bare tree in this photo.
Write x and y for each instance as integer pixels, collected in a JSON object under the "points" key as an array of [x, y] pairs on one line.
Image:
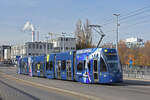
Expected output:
{"points": [[83, 35], [88, 33]]}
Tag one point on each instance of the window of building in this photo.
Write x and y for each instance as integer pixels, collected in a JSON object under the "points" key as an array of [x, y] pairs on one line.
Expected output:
{"points": [[66, 39], [37, 46], [44, 46], [40, 46], [51, 46], [47, 46], [61, 39], [29, 46], [33, 46]]}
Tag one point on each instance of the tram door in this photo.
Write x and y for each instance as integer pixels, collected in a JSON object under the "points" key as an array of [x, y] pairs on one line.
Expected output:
{"points": [[95, 70], [69, 70], [54, 66], [74, 64], [58, 69]]}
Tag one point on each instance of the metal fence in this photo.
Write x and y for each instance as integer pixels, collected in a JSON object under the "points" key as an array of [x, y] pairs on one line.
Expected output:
{"points": [[139, 72]]}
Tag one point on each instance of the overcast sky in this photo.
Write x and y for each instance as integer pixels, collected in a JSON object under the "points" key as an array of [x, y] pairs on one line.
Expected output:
{"points": [[61, 16]]}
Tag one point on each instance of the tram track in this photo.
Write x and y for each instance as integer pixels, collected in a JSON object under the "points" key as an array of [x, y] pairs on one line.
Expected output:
{"points": [[16, 89], [61, 91], [124, 91]]}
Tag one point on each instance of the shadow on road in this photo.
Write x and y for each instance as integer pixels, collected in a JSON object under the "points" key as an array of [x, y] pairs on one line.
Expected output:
{"points": [[0, 98], [130, 83], [7, 65]]}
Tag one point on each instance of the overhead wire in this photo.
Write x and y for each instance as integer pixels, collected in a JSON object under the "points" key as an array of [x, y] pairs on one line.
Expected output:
{"points": [[129, 15]]}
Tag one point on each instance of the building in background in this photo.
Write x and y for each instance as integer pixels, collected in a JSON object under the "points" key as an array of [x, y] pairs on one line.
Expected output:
{"points": [[5, 53], [31, 49], [63, 44], [134, 42]]}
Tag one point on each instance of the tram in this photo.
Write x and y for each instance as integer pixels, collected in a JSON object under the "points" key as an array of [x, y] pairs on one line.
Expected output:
{"points": [[93, 65], [24, 68]]}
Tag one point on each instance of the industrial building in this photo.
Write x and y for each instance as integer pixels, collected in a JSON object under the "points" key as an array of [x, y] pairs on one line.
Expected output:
{"points": [[31, 49], [134, 42], [5, 53], [63, 44]]}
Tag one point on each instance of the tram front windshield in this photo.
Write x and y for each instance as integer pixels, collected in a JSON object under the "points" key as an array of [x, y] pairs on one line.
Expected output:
{"points": [[112, 60]]}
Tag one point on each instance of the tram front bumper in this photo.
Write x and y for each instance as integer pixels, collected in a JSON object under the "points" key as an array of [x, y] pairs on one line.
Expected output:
{"points": [[115, 78]]}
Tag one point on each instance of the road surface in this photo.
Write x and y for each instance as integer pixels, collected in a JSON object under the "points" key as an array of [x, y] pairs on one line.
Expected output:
{"points": [[14, 86]]}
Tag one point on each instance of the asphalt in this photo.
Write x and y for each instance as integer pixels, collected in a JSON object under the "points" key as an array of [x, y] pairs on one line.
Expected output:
{"points": [[46, 89]]}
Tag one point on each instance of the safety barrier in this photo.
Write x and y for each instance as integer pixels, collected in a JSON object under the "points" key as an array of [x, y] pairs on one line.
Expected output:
{"points": [[137, 72]]}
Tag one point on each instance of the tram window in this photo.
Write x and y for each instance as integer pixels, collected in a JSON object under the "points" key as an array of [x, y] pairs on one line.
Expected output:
{"points": [[22, 64], [51, 65], [102, 66], [35, 67], [25, 66], [80, 66], [69, 64], [89, 65], [47, 66], [38, 65], [63, 65], [95, 65], [112, 57], [59, 64]]}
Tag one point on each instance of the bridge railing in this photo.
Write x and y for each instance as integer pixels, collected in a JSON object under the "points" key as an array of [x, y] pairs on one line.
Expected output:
{"points": [[137, 72]]}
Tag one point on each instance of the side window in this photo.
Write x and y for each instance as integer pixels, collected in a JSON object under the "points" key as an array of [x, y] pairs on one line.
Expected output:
{"points": [[38, 66], [80, 66], [22, 64], [69, 65], [51, 65], [35, 67], [95, 66], [59, 64], [47, 66], [89, 65], [63, 65], [102, 66]]}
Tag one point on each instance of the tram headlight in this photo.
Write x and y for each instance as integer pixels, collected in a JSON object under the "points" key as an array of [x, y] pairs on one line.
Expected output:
{"points": [[105, 50]]}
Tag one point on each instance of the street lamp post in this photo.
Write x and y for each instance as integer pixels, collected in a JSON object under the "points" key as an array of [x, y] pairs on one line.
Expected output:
{"points": [[63, 34], [46, 44], [117, 15]]}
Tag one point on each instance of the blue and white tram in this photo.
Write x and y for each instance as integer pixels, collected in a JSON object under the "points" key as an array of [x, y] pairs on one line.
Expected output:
{"points": [[50, 66], [98, 65], [64, 67], [38, 66], [94, 65], [23, 66]]}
